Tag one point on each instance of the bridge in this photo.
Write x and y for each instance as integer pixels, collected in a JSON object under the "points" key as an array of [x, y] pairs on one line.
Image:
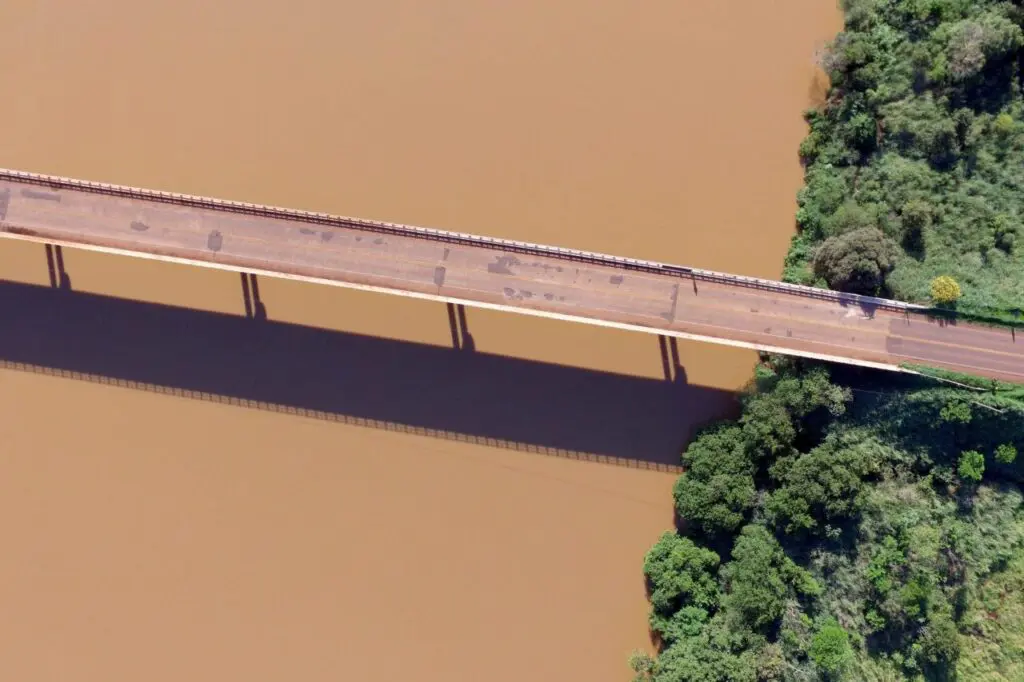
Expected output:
{"points": [[500, 274]]}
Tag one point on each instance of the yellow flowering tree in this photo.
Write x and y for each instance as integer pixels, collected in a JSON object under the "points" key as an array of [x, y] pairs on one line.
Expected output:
{"points": [[945, 289]]}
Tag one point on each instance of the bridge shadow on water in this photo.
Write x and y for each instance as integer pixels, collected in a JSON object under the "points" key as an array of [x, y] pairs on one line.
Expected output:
{"points": [[452, 393]]}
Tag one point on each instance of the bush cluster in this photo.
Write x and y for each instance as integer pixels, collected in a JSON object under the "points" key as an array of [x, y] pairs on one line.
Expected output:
{"points": [[863, 526], [915, 164], [835, 531]]}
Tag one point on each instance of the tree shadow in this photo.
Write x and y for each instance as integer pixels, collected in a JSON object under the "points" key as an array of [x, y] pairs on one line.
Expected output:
{"points": [[338, 376], [867, 307]]}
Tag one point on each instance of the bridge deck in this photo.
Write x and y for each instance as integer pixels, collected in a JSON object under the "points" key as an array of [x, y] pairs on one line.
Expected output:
{"points": [[497, 274]]}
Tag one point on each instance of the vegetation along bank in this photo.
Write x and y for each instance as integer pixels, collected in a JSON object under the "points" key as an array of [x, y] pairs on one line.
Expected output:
{"points": [[856, 525]]}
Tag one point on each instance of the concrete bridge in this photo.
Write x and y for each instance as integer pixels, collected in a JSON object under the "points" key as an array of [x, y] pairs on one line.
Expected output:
{"points": [[533, 279]]}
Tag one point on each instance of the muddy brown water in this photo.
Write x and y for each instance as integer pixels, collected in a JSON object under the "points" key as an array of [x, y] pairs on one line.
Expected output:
{"points": [[335, 492]]}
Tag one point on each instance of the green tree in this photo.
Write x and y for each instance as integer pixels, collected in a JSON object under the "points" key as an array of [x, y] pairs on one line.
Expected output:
{"points": [[1006, 453], [1004, 232], [767, 425], [821, 486], [972, 465], [916, 593], [851, 216], [716, 655], [1004, 125], [680, 574], [974, 43], [717, 490], [857, 261], [830, 648], [886, 561], [760, 578], [940, 641], [956, 412], [812, 390], [772, 420]]}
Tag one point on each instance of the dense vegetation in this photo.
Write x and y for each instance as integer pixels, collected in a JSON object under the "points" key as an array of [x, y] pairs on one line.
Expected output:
{"points": [[853, 524], [915, 165], [846, 527]]}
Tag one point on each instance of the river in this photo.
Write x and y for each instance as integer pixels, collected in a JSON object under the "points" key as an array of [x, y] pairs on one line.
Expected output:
{"points": [[336, 492]]}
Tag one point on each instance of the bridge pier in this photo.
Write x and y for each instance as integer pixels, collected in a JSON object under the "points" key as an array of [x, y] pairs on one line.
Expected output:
{"points": [[459, 327], [59, 278], [254, 308]]}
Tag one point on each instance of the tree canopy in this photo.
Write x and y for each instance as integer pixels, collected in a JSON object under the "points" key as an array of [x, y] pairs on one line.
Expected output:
{"points": [[858, 261], [865, 535], [920, 144], [870, 526]]}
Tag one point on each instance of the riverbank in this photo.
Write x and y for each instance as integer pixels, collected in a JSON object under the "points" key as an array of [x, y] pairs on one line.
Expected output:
{"points": [[851, 524]]}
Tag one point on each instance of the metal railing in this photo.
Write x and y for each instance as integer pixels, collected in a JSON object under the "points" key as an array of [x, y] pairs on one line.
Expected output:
{"points": [[398, 229]]}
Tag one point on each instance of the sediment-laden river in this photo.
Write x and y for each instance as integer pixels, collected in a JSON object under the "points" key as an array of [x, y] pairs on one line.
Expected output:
{"points": [[336, 492]]}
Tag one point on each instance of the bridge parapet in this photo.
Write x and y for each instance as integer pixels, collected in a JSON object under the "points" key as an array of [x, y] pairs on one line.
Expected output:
{"points": [[590, 257]]}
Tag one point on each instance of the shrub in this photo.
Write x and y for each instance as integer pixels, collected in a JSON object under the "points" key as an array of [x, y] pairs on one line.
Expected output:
{"points": [[972, 465], [966, 54], [679, 573], [975, 43], [849, 217], [940, 641], [956, 412], [717, 489], [945, 290], [1003, 125], [705, 658], [830, 648], [1004, 232], [642, 665], [760, 579], [821, 486], [1006, 453], [917, 217]]}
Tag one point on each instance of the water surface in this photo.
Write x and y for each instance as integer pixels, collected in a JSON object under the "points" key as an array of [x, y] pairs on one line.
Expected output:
{"points": [[336, 492]]}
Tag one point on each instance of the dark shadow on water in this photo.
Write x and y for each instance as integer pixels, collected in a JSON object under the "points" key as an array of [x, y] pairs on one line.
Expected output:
{"points": [[395, 385]]}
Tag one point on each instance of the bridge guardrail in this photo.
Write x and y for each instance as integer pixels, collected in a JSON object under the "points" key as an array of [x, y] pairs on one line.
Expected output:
{"points": [[590, 257], [813, 292]]}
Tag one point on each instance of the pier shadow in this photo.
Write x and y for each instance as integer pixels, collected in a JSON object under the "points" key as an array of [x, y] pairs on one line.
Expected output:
{"points": [[375, 382], [671, 367]]}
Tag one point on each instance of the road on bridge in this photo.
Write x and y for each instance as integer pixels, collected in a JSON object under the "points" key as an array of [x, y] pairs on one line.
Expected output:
{"points": [[499, 274]]}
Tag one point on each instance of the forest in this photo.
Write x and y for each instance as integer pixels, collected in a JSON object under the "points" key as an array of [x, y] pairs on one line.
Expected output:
{"points": [[853, 524]]}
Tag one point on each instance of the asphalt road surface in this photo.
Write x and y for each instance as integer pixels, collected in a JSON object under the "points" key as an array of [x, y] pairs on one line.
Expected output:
{"points": [[493, 273]]}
